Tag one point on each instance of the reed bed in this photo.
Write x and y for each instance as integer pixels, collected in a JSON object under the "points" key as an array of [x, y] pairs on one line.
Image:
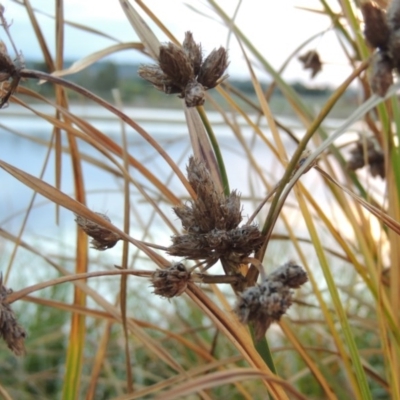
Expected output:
{"points": [[195, 285]]}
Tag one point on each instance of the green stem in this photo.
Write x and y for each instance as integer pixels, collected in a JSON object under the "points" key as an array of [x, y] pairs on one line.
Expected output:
{"points": [[217, 150]]}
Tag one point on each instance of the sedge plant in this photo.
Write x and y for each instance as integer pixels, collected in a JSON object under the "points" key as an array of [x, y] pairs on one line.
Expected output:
{"points": [[195, 286]]}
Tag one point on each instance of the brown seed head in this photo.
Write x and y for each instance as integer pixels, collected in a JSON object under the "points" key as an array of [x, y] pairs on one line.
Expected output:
{"points": [[172, 281], [8, 71], [393, 15], [176, 64], [212, 224], [263, 304], [382, 74], [266, 303], [213, 68], [212, 209], [102, 238], [374, 157], [182, 70], [311, 61], [393, 53], [245, 239], [290, 274], [193, 51], [12, 333], [194, 94], [376, 29], [154, 75], [7, 67]]}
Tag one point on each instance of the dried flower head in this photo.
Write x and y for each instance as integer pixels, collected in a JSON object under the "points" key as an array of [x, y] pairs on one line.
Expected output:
{"points": [[367, 151], [182, 70], [172, 281], [376, 28], [382, 73], [290, 274], [311, 61], [8, 71], [266, 303], [212, 225], [193, 52], [393, 15], [214, 66], [12, 333], [102, 238], [382, 31]]}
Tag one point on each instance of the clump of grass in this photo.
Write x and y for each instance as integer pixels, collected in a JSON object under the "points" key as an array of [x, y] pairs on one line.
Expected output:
{"points": [[122, 341]]}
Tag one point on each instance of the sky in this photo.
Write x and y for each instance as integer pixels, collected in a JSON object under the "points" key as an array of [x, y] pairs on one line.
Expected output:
{"points": [[276, 29]]}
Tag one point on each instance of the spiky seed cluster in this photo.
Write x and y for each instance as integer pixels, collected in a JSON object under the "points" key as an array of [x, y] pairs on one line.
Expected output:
{"points": [[290, 274], [12, 333], [172, 281], [8, 71], [182, 70], [102, 238], [311, 60], [382, 31], [374, 157], [266, 303], [212, 224]]}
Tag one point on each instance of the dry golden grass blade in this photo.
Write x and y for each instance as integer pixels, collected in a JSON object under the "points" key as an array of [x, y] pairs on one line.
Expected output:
{"points": [[125, 250], [112, 144], [244, 145], [39, 35], [201, 146], [265, 108], [98, 361], [343, 244], [158, 22], [110, 315], [237, 334], [111, 311], [200, 351], [19, 294], [146, 35], [59, 33], [134, 328], [27, 213], [109, 144], [120, 172], [314, 368], [166, 383], [394, 240], [5, 395], [59, 19], [65, 201], [32, 249], [98, 55], [240, 112], [382, 216], [151, 344], [218, 379], [61, 306], [72, 23]]}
